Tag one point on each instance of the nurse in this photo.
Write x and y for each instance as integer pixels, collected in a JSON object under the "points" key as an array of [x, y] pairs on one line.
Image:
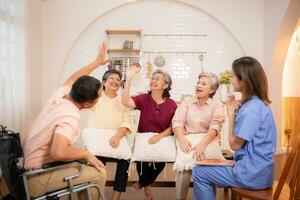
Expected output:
{"points": [[252, 135]]}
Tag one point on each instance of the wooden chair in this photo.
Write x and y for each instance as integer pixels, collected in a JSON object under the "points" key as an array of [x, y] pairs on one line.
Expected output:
{"points": [[292, 167]]}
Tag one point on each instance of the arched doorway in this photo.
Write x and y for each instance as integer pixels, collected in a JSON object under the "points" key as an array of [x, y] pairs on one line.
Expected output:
{"points": [[291, 89], [288, 26]]}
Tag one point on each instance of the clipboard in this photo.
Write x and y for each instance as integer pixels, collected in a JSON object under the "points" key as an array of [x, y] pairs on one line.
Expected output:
{"points": [[214, 162]]}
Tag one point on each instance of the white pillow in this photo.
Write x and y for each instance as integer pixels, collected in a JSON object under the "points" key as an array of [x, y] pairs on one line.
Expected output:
{"points": [[162, 151], [97, 142], [185, 161]]}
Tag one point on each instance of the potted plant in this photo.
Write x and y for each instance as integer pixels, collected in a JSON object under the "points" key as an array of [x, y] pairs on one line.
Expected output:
{"points": [[225, 84], [117, 64]]}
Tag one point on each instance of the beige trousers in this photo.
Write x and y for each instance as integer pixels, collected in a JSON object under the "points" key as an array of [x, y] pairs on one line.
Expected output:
{"points": [[183, 180], [51, 181]]}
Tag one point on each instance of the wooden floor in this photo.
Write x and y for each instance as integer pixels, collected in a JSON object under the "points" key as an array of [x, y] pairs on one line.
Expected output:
{"points": [[169, 175]]}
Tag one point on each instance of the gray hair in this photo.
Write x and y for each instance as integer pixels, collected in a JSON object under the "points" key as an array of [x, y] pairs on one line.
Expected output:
{"points": [[214, 81], [167, 79]]}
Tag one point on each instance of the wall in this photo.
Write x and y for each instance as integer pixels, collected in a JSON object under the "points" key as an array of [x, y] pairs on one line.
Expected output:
{"points": [[59, 22], [13, 68], [34, 57], [291, 88], [62, 22], [219, 46], [274, 12], [284, 33]]}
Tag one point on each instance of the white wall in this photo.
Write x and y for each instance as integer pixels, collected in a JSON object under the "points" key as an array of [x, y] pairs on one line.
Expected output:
{"points": [[283, 35], [63, 21], [274, 11], [34, 56], [219, 45]]}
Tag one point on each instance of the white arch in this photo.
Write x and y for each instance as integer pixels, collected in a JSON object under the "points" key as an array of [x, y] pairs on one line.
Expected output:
{"points": [[289, 24], [133, 2]]}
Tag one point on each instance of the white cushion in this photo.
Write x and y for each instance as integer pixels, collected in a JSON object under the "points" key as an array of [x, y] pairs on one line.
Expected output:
{"points": [[162, 151], [185, 161], [97, 142]]}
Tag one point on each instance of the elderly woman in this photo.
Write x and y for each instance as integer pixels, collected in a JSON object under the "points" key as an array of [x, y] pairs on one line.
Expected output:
{"points": [[110, 113], [197, 114], [157, 110]]}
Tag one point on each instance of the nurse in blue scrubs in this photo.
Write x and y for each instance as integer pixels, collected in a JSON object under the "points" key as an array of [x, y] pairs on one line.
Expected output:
{"points": [[252, 135]]}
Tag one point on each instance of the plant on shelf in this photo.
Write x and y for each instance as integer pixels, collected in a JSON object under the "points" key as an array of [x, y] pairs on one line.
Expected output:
{"points": [[225, 77], [225, 84], [117, 64]]}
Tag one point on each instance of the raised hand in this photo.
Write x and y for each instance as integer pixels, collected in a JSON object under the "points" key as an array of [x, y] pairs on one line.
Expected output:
{"points": [[102, 57], [231, 105], [135, 67], [130, 72]]}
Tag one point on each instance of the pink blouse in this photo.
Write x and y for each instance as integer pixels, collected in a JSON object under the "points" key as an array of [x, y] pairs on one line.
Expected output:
{"points": [[195, 117]]}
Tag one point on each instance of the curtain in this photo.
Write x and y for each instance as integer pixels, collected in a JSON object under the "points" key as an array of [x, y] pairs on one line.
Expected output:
{"points": [[13, 77]]}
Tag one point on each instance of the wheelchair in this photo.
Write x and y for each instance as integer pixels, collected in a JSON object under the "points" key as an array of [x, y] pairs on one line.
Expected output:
{"points": [[15, 176]]}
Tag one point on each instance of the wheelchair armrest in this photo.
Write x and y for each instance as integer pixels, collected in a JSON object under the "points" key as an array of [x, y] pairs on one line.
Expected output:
{"points": [[60, 163], [48, 167], [54, 166]]}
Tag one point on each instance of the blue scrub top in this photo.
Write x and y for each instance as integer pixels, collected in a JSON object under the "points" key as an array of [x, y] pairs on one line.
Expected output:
{"points": [[254, 163]]}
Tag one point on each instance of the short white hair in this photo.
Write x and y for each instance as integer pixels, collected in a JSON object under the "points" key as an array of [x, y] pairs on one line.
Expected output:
{"points": [[213, 79]]}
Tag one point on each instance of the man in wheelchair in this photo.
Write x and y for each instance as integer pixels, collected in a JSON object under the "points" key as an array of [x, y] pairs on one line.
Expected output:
{"points": [[56, 129]]}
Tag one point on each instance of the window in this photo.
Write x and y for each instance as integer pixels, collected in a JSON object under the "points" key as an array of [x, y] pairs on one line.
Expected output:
{"points": [[12, 64]]}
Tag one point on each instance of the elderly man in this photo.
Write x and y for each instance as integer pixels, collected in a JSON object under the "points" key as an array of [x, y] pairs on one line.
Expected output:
{"points": [[57, 127]]}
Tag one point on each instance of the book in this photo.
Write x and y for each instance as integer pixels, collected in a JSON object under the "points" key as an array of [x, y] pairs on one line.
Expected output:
{"points": [[214, 162]]}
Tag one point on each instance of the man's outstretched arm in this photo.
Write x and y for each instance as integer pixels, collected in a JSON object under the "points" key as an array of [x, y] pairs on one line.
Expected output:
{"points": [[101, 59]]}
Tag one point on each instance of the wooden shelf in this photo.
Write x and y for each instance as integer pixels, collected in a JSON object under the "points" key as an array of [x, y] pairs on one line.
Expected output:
{"points": [[124, 50], [175, 35], [123, 32]]}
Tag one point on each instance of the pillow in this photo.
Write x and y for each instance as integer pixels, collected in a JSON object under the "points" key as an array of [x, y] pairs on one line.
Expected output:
{"points": [[185, 161], [97, 142], [162, 151]]}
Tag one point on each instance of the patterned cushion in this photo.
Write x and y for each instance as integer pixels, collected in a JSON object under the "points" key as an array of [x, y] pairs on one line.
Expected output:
{"points": [[97, 142], [162, 151], [185, 161]]}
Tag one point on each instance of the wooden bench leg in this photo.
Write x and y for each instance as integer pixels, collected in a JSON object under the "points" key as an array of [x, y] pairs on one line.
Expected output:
{"points": [[226, 193]]}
